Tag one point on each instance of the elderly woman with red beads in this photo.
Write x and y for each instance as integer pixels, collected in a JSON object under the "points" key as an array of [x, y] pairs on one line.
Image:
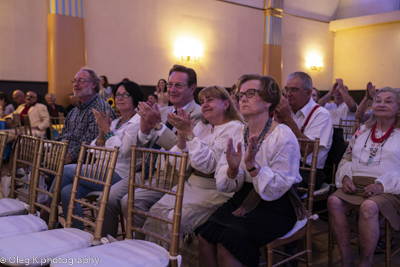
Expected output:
{"points": [[368, 176]]}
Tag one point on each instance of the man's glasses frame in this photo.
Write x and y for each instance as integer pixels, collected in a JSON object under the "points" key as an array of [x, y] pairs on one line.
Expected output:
{"points": [[177, 85], [80, 81]]}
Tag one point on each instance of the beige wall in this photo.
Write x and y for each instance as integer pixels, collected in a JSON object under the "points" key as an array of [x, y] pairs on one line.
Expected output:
{"points": [[135, 39], [300, 37], [23, 40], [368, 54]]}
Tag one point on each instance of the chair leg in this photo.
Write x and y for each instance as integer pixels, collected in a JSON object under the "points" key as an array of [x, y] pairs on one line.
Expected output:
{"points": [[122, 222], [388, 243], [269, 254]]}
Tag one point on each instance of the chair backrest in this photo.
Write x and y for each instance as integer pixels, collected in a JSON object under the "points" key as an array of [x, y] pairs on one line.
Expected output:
{"points": [[25, 155], [98, 167], [16, 123], [50, 161], [27, 125], [56, 123], [160, 183], [305, 144], [3, 145], [349, 128]]}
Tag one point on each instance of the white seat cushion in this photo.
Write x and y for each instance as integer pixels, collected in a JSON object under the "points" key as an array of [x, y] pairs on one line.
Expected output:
{"points": [[11, 206], [21, 224], [297, 226], [36, 249], [323, 190], [122, 253]]}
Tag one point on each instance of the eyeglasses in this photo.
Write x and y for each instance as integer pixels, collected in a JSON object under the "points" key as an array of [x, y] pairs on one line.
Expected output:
{"points": [[177, 85], [80, 81], [249, 94], [124, 95], [30, 96], [292, 90]]}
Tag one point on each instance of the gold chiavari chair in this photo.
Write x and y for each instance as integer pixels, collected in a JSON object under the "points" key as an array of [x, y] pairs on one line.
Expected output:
{"points": [[47, 245], [50, 160], [25, 155], [131, 252], [302, 228], [16, 124], [27, 125], [56, 124]]}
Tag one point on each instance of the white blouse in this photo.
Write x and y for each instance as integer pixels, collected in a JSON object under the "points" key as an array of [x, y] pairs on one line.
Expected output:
{"points": [[207, 146], [279, 159], [124, 138], [384, 166]]}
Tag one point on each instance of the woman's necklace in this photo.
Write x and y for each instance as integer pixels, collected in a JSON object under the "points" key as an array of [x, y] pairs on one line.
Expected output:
{"points": [[120, 125], [383, 138], [376, 142], [260, 138]]}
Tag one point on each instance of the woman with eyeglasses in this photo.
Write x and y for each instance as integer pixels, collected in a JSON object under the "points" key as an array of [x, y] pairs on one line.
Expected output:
{"points": [[161, 92], [368, 176], [206, 143], [121, 133], [260, 166]]}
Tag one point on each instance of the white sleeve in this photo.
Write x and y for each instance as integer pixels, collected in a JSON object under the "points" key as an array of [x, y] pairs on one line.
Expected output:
{"points": [[223, 182], [205, 157], [280, 170], [390, 182]]}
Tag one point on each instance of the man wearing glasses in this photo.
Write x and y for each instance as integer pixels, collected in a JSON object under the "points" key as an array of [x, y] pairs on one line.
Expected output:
{"points": [[39, 117], [80, 125], [155, 132], [307, 120]]}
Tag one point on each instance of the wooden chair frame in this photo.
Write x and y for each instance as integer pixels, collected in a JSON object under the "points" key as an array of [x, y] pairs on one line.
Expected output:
{"points": [[304, 232], [50, 160], [3, 145], [16, 124], [158, 184], [98, 168], [57, 127], [27, 125], [25, 155]]}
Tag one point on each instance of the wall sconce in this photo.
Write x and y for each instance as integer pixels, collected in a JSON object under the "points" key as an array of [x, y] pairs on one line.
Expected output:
{"points": [[188, 49], [314, 62]]}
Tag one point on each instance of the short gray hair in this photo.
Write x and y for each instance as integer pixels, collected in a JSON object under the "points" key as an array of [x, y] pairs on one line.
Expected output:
{"points": [[306, 79], [93, 75]]}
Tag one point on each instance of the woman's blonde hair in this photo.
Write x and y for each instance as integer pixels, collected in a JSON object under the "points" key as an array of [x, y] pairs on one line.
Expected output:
{"points": [[372, 119], [231, 113]]}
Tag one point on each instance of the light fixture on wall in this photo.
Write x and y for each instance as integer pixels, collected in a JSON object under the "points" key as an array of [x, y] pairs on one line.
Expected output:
{"points": [[314, 62], [188, 49]]}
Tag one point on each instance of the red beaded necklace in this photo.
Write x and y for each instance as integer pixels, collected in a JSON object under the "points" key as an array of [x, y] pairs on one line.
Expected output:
{"points": [[383, 138]]}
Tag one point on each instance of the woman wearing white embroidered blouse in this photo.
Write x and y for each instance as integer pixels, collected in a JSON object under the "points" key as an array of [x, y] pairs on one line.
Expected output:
{"points": [[261, 172], [121, 133], [368, 176], [205, 144]]}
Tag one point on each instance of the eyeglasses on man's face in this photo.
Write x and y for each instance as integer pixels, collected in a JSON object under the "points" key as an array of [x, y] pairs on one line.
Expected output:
{"points": [[177, 85], [30, 96], [249, 94], [124, 95], [292, 90], [80, 81]]}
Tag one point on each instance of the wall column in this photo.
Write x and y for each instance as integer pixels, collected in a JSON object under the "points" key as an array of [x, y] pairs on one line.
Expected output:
{"points": [[66, 50], [272, 48]]}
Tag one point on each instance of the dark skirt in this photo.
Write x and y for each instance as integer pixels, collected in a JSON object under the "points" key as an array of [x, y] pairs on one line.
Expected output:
{"points": [[243, 236]]}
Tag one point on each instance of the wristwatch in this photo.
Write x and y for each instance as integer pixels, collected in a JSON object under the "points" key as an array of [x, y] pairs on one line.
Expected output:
{"points": [[254, 168], [158, 126], [190, 137]]}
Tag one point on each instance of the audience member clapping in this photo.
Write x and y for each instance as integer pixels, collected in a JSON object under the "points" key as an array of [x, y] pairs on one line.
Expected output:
{"points": [[261, 164], [120, 133], [205, 143]]}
